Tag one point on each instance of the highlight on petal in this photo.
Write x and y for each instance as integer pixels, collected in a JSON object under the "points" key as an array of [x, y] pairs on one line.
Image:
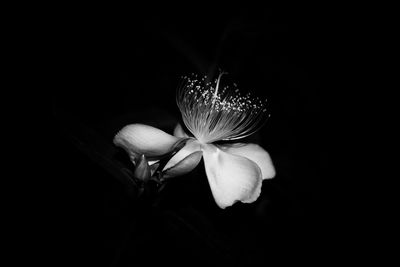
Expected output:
{"points": [[144, 139], [152, 162], [184, 166], [154, 167], [179, 132], [190, 147], [232, 178], [255, 153]]}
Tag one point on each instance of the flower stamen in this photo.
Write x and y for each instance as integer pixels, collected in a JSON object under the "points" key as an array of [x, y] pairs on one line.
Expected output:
{"points": [[212, 113]]}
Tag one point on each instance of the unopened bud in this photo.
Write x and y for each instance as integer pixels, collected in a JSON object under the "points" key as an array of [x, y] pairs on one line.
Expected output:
{"points": [[142, 169]]}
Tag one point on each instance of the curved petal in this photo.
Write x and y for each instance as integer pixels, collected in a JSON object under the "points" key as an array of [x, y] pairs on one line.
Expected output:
{"points": [[184, 166], [179, 132], [232, 178], [257, 154], [144, 139], [191, 146]]}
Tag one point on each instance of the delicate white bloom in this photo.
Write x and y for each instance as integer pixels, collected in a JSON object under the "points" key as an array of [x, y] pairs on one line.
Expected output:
{"points": [[235, 171]]}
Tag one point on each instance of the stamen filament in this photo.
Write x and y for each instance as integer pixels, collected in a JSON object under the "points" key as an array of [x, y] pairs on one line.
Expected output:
{"points": [[212, 113]]}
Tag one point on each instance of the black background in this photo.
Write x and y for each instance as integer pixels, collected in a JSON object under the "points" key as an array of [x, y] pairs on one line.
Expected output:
{"points": [[121, 68]]}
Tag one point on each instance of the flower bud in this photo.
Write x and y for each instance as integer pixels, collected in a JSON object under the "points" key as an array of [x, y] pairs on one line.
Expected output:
{"points": [[142, 169]]}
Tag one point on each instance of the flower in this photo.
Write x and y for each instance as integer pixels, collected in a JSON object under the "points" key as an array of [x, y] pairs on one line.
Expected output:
{"points": [[211, 114]]}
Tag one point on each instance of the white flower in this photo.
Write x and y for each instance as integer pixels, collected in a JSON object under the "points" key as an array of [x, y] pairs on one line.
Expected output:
{"points": [[235, 171]]}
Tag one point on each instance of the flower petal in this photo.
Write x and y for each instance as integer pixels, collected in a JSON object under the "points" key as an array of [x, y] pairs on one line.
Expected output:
{"points": [[232, 178], [257, 154], [184, 166], [144, 139], [191, 146], [179, 132]]}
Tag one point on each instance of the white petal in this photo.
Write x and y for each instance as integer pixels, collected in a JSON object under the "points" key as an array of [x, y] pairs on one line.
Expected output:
{"points": [[191, 146], [257, 154], [179, 132], [144, 139], [232, 178], [184, 166]]}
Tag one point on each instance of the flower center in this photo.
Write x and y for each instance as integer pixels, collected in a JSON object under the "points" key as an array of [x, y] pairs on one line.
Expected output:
{"points": [[212, 113]]}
